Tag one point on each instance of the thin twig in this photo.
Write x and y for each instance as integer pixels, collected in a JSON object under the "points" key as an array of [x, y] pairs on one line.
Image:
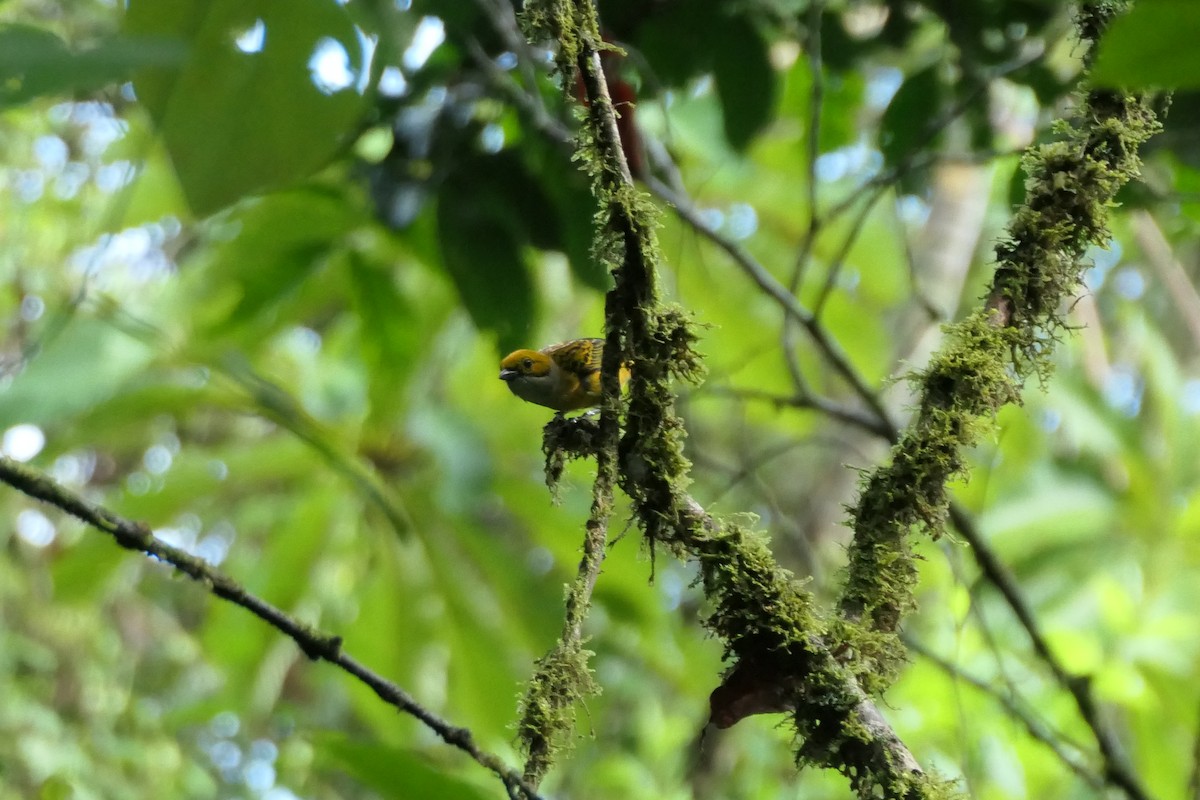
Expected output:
{"points": [[556, 686], [830, 350], [916, 156], [315, 644], [1193, 784], [839, 259], [1116, 765], [526, 99], [504, 21], [1016, 709], [816, 104], [830, 408]]}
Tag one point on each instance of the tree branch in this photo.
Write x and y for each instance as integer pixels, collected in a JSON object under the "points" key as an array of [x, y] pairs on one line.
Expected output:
{"points": [[987, 356], [792, 308], [1117, 768], [315, 644], [773, 635], [1035, 727], [563, 677]]}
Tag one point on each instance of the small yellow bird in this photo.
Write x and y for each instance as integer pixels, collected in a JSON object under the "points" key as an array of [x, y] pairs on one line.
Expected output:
{"points": [[564, 377]]}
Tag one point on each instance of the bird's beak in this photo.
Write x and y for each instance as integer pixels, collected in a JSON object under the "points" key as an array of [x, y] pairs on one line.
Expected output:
{"points": [[507, 374]]}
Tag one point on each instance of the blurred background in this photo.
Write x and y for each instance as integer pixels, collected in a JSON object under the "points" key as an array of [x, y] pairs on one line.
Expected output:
{"points": [[258, 265]]}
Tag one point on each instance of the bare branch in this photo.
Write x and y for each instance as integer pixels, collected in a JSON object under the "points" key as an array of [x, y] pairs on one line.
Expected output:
{"points": [[315, 644], [1015, 709], [773, 288]]}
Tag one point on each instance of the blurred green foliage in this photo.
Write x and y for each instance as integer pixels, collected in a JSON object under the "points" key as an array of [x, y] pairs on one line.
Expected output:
{"points": [[259, 269]]}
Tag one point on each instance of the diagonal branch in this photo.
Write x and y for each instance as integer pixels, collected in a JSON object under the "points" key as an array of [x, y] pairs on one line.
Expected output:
{"points": [[1117, 768], [985, 361], [1017, 710], [773, 634], [563, 677], [318, 646], [792, 308]]}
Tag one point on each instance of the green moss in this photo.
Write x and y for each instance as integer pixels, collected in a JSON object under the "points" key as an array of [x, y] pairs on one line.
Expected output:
{"points": [[782, 653], [565, 439], [987, 358], [562, 680], [759, 609], [554, 21]]}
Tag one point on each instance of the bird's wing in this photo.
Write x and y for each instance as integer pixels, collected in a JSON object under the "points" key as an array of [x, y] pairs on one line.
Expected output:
{"points": [[581, 357]]}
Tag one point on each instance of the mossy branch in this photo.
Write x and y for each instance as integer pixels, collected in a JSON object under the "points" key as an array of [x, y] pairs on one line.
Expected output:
{"points": [[777, 643], [989, 355], [563, 677], [786, 659], [784, 655]]}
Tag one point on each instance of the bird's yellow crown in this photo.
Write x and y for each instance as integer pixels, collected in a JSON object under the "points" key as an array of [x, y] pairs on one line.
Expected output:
{"points": [[564, 377]]}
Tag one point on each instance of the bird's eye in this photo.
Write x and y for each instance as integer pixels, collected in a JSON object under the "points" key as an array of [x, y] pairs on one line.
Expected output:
{"points": [[527, 363]]}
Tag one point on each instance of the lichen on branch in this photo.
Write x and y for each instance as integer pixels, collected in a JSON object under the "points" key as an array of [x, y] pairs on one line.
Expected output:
{"points": [[655, 343], [776, 643], [987, 357]]}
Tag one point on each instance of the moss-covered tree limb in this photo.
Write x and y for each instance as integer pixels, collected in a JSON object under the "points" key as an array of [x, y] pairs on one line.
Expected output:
{"points": [[1071, 185], [988, 356], [318, 646], [563, 677], [992, 569], [785, 659], [774, 638]]}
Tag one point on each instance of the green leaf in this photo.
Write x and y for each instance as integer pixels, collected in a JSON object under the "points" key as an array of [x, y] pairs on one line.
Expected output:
{"points": [[678, 41], [485, 215], [577, 207], [905, 124], [484, 262], [390, 333], [745, 81], [573, 206], [1058, 513], [396, 773], [1154, 45], [34, 62], [289, 556], [28, 57], [86, 567], [248, 110], [688, 39], [1178, 140], [83, 365], [283, 239]]}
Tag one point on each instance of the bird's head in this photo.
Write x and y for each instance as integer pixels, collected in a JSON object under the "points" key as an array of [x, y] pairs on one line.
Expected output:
{"points": [[524, 364]]}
